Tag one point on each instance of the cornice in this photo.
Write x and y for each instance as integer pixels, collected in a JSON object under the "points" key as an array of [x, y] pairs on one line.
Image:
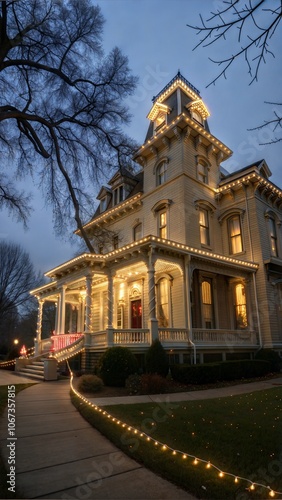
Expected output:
{"points": [[183, 121]]}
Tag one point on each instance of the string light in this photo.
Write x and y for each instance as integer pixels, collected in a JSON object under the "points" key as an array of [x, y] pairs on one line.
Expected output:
{"points": [[165, 447]]}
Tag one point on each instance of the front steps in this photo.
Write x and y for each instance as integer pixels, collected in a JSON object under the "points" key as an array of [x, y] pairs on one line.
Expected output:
{"points": [[39, 369]]}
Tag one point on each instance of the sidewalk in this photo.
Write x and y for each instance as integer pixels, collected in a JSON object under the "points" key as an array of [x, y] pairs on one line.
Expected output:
{"points": [[59, 455]]}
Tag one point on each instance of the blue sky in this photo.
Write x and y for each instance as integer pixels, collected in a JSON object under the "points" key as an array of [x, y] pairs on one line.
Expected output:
{"points": [[154, 36]]}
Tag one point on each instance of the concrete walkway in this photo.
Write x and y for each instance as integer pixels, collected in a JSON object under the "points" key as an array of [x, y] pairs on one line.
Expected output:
{"points": [[59, 455]]}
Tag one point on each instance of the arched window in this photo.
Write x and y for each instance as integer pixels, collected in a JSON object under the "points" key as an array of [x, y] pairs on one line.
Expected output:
{"points": [[235, 234], [161, 173], [203, 168], [204, 226], [137, 232]]}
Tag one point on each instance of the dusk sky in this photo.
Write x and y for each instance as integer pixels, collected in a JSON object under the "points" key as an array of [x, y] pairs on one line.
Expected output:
{"points": [[154, 36]]}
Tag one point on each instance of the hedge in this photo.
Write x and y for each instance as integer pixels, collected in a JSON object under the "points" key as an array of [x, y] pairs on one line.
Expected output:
{"points": [[215, 372]]}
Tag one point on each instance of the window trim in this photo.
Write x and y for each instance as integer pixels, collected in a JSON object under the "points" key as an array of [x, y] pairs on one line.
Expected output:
{"points": [[232, 238], [134, 229], [272, 218]]}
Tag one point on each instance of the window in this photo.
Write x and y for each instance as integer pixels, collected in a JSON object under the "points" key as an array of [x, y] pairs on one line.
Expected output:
{"points": [[103, 204], [235, 235], [160, 121], [273, 237], [202, 173], [137, 232], [163, 302], [100, 247], [204, 227], [118, 195], [196, 116], [240, 307], [161, 173], [120, 315], [207, 305], [162, 230]]}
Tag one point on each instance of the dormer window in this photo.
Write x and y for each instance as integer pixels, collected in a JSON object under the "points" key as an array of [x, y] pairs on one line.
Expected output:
{"points": [[118, 195], [103, 204], [160, 121], [196, 116]]}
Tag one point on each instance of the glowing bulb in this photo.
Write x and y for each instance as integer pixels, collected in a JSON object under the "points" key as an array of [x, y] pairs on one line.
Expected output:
{"points": [[271, 493], [236, 479], [195, 461], [208, 465], [174, 452], [164, 447], [252, 487], [184, 456], [221, 474]]}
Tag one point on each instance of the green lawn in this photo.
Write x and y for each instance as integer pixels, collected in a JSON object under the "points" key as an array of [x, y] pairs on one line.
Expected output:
{"points": [[241, 435], [4, 493]]}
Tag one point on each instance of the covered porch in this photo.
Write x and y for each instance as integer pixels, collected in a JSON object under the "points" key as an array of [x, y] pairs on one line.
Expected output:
{"points": [[150, 290]]}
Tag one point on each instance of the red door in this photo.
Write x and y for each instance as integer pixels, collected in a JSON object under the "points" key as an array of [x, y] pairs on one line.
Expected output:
{"points": [[136, 314]]}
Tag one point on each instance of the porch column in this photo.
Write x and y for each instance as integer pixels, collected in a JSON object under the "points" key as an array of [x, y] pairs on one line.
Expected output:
{"points": [[62, 311], [88, 303], [57, 318], [188, 314], [37, 343], [153, 322], [110, 338]]}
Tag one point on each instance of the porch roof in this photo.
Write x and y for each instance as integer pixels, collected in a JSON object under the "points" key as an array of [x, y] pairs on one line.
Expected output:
{"points": [[98, 261]]}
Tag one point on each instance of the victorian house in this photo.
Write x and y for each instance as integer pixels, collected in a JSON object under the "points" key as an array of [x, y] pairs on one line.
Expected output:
{"points": [[186, 252]]}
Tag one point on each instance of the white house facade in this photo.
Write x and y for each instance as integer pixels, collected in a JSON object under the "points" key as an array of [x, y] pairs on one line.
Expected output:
{"points": [[186, 252]]}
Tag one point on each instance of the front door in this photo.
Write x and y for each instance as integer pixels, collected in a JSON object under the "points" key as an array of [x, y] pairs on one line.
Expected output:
{"points": [[136, 314]]}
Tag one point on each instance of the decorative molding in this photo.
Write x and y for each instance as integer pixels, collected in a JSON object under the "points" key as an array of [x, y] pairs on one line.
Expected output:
{"points": [[154, 150], [166, 141], [177, 133]]}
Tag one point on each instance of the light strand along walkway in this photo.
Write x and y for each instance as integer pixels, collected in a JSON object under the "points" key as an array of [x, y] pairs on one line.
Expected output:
{"points": [[59, 455]]}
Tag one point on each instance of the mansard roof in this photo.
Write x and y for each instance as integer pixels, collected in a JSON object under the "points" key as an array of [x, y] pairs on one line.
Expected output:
{"points": [[177, 77]]}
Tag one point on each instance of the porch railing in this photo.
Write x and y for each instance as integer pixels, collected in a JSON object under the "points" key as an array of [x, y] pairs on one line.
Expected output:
{"points": [[131, 336], [62, 341], [224, 337], [174, 335]]}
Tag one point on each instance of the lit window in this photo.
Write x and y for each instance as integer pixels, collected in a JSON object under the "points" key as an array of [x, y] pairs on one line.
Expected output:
{"points": [[120, 314], [162, 216], [207, 305], [161, 173], [163, 303], [273, 237], [137, 232], [204, 227], [240, 307], [235, 234], [118, 195], [160, 121], [196, 116]]}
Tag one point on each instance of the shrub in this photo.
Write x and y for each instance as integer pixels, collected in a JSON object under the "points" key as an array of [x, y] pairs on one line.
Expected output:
{"points": [[272, 357], [152, 383], [156, 359], [89, 383], [214, 372], [133, 384], [116, 364]]}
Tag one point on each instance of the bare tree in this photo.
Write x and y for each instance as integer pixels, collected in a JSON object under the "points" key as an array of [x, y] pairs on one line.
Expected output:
{"points": [[17, 278], [254, 24], [61, 104]]}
